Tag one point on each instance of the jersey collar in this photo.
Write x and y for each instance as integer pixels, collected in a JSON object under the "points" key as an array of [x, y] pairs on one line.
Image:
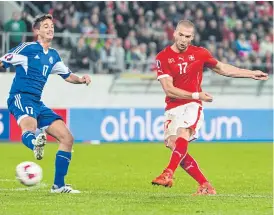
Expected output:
{"points": [[45, 51]]}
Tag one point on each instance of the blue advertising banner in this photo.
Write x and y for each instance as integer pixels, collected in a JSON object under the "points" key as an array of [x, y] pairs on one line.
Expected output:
{"points": [[4, 124], [137, 124]]}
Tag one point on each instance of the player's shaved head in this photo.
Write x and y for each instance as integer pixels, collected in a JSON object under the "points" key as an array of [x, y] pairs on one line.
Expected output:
{"points": [[183, 35], [186, 24]]}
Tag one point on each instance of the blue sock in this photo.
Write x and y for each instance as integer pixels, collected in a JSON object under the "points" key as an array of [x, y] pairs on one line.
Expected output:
{"points": [[61, 167], [27, 138]]}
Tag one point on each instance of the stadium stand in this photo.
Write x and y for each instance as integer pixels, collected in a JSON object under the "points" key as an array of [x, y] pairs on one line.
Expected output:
{"points": [[240, 33], [146, 28]]}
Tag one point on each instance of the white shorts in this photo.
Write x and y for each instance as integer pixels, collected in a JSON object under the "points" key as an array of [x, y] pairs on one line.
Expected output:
{"points": [[189, 115]]}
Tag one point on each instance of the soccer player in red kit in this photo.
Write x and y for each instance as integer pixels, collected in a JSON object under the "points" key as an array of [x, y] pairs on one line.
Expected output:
{"points": [[180, 71]]}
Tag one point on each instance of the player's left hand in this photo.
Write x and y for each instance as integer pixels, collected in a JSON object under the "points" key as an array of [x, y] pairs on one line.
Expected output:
{"points": [[86, 79], [259, 75]]}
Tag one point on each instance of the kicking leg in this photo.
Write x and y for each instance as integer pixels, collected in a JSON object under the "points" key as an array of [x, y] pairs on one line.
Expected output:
{"points": [[59, 130], [179, 152]]}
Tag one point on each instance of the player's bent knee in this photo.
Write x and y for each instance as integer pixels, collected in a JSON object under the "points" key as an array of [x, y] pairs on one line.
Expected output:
{"points": [[170, 142], [70, 139], [66, 142], [171, 146], [67, 139]]}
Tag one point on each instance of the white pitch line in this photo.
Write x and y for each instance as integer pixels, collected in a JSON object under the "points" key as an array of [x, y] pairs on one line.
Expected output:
{"points": [[244, 196], [190, 195], [7, 180], [37, 187]]}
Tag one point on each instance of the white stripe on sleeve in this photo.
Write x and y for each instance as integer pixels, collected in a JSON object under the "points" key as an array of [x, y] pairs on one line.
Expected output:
{"points": [[60, 68], [163, 76], [16, 59]]}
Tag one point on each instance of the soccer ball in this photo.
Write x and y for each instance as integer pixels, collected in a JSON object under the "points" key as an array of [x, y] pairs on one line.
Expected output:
{"points": [[29, 173]]}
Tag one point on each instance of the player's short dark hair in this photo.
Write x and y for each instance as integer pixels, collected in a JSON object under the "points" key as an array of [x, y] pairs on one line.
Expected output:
{"points": [[186, 23], [40, 18]]}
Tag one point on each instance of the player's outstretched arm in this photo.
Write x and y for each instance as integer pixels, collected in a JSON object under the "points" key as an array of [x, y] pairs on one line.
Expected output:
{"points": [[1, 64], [74, 79], [176, 93], [235, 72]]}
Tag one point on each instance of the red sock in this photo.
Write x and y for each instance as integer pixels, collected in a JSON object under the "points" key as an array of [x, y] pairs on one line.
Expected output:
{"points": [[178, 153], [192, 168]]}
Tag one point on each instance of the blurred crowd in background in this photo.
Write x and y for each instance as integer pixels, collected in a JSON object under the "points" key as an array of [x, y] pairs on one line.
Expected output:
{"points": [[239, 33]]}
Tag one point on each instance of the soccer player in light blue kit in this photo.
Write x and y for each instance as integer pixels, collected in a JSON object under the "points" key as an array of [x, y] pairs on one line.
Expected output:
{"points": [[34, 62]]}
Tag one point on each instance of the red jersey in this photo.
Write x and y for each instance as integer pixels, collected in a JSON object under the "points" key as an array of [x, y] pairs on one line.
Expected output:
{"points": [[185, 68]]}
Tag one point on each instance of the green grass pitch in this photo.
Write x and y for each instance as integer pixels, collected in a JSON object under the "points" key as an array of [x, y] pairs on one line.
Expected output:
{"points": [[116, 180]]}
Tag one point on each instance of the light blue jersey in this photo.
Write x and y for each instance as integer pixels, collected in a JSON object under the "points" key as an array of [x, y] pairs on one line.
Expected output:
{"points": [[33, 66]]}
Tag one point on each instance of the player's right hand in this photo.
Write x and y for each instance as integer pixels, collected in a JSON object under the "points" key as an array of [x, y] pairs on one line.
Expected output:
{"points": [[1, 64], [259, 75], [206, 97], [85, 79]]}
